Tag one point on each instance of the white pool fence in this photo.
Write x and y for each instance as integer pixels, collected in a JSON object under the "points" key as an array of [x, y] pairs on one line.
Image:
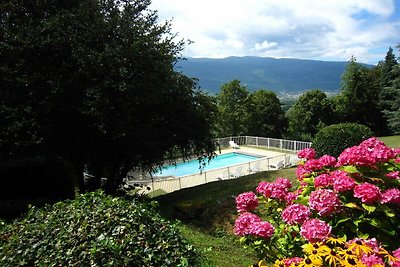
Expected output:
{"points": [[288, 158]]}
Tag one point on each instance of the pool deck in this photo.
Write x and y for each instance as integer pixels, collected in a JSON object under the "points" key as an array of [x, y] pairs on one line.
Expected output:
{"points": [[254, 151]]}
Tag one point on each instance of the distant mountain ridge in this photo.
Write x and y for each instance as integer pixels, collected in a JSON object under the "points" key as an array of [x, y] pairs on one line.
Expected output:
{"points": [[283, 76]]}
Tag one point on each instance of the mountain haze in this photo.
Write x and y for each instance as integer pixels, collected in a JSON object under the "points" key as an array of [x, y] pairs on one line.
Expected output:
{"points": [[283, 76]]}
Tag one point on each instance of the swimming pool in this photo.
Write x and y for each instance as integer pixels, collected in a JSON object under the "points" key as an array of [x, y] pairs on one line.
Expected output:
{"points": [[191, 167]]}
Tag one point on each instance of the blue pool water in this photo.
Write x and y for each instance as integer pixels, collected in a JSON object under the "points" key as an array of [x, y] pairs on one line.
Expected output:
{"points": [[191, 167]]}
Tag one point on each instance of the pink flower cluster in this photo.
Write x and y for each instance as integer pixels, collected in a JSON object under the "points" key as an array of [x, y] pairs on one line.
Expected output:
{"points": [[323, 180], [324, 201], [393, 175], [296, 214], [278, 189], [368, 193], [292, 261], [391, 196], [368, 153], [311, 165], [342, 182], [315, 230], [250, 224], [307, 153], [246, 202]]}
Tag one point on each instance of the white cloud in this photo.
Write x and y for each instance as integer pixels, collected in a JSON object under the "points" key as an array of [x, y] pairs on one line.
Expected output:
{"points": [[329, 29]]}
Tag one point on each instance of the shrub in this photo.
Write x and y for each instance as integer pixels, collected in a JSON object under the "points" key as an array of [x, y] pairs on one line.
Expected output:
{"points": [[94, 230], [354, 197], [333, 139]]}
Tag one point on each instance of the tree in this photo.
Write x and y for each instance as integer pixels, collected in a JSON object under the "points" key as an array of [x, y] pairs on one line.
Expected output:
{"points": [[233, 107], [266, 117], [358, 101], [310, 113], [93, 83], [389, 95], [392, 111]]}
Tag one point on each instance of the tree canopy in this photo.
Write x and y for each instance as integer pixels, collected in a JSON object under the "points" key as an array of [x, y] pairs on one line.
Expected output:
{"points": [[310, 113], [266, 115], [358, 100], [93, 83]]}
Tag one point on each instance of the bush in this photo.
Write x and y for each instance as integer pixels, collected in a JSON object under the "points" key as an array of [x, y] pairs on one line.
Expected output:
{"points": [[333, 139], [94, 230]]}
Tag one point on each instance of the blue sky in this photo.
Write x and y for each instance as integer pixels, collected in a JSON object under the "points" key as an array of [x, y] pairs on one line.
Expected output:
{"points": [[307, 29]]}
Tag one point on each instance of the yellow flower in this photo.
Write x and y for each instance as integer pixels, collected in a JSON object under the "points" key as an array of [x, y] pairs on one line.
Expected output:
{"points": [[360, 248], [389, 257], [309, 247], [335, 241], [346, 254], [263, 263], [308, 262], [351, 262], [333, 258]]}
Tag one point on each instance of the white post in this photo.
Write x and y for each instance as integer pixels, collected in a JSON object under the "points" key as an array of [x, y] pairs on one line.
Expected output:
{"points": [[280, 141], [257, 141]]}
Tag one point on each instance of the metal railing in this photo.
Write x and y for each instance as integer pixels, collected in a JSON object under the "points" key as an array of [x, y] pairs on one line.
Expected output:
{"points": [[281, 144], [170, 184]]}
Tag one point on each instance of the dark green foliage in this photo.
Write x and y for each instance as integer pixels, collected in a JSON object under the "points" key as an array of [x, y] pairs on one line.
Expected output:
{"points": [[358, 100], [94, 230], [233, 106], [333, 139], [266, 116], [93, 83], [311, 112]]}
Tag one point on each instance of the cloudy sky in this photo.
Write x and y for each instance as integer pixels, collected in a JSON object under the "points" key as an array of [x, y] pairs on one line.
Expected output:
{"points": [[308, 29]]}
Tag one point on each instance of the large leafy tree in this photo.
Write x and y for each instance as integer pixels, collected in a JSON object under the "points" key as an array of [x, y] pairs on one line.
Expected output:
{"points": [[358, 100], [310, 113], [233, 106], [266, 117], [92, 83]]}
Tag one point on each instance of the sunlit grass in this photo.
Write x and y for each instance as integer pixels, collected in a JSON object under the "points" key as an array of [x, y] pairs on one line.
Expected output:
{"points": [[391, 141]]}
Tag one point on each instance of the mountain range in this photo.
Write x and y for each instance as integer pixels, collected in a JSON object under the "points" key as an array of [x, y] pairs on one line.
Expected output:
{"points": [[286, 77]]}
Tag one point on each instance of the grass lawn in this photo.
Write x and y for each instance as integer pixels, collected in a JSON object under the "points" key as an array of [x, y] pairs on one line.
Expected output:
{"points": [[391, 141], [208, 212]]}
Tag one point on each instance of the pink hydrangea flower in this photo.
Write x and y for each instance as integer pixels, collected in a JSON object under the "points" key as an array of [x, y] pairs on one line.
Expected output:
{"points": [[292, 261], [324, 201], [393, 175], [397, 160], [368, 153], [244, 222], [327, 161], [391, 196], [313, 164], [315, 230], [342, 182], [246, 202], [302, 172], [323, 180], [290, 197], [368, 193], [295, 214], [265, 189], [307, 153], [262, 229], [372, 260]]}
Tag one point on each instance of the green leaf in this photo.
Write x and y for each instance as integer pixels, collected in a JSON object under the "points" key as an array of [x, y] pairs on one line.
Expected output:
{"points": [[350, 169], [352, 205], [368, 208]]}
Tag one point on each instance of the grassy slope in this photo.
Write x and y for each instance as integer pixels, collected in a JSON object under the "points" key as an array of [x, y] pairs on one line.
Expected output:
{"points": [[391, 141], [208, 212]]}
